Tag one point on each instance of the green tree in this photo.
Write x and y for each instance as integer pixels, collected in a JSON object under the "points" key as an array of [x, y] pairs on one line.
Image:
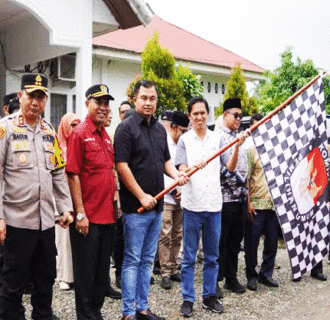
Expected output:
{"points": [[236, 88], [326, 87], [284, 81], [158, 65], [191, 82]]}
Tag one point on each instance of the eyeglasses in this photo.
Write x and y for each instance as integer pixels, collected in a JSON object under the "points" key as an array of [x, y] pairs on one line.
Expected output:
{"points": [[237, 115]]}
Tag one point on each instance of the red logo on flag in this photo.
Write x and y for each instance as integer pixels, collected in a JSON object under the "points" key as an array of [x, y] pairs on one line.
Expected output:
{"points": [[316, 178]]}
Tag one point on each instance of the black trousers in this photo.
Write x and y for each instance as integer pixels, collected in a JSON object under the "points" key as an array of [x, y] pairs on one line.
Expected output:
{"points": [[1, 263], [265, 220], [91, 263], [119, 246], [28, 252], [232, 232]]}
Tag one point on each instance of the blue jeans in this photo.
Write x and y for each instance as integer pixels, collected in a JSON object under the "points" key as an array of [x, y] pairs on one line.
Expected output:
{"points": [[193, 223], [141, 234]]}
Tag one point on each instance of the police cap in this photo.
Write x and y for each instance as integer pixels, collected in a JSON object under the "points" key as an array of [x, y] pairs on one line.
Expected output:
{"points": [[34, 81]]}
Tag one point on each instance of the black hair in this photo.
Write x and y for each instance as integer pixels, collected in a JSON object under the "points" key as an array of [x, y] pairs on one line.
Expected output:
{"points": [[13, 106], [195, 100], [145, 84], [126, 102], [255, 117]]}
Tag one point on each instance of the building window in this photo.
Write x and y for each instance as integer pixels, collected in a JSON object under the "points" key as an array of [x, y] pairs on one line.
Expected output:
{"points": [[216, 88], [58, 108], [209, 87], [223, 89]]}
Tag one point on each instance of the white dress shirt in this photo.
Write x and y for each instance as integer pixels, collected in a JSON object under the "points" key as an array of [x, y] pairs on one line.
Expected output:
{"points": [[168, 198], [203, 191]]}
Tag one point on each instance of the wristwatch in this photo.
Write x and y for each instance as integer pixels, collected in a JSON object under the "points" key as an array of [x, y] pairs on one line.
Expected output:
{"points": [[80, 216]]}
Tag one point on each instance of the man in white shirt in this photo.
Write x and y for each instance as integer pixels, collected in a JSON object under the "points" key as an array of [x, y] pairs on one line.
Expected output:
{"points": [[202, 204], [171, 232]]}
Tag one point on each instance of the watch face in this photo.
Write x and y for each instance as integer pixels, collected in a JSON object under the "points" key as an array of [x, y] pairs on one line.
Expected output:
{"points": [[80, 216]]}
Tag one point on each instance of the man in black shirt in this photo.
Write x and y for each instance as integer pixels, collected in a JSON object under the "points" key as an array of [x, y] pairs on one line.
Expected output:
{"points": [[142, 157]]}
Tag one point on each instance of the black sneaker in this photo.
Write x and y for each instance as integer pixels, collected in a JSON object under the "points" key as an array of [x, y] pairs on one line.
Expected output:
{"points": [[213, 304], [148, 316], [186, 309], [166, 283]]}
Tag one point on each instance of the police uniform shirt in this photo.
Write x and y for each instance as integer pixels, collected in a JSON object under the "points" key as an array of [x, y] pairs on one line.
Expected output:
{"points": [[28, 179]]}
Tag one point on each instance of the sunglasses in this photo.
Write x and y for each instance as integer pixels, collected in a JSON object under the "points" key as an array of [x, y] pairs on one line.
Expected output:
{"points": [[237, 115]]}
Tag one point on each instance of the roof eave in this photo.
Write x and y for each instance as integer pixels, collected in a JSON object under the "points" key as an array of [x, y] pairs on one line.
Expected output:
{"points": [[130, 13], [195, 66]]}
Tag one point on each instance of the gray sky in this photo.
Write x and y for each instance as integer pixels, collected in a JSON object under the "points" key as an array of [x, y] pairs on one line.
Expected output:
{"points": [[257, 30]]}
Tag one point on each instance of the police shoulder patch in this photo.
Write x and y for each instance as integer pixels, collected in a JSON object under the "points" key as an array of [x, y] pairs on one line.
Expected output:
{"points": [[2, 131]]}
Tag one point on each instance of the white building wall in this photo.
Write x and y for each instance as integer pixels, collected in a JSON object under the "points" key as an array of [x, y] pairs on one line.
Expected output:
{"points": [[117, 75], [212, 95]]}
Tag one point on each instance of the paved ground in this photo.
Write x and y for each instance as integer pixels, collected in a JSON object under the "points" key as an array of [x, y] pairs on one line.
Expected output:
{"points": [[308, 299]]}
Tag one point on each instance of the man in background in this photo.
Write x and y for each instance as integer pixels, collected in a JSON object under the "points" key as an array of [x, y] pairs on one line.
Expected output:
{"points": [[124, 106], [171, 231], [6, 102], [234, 191], [261, 217]]}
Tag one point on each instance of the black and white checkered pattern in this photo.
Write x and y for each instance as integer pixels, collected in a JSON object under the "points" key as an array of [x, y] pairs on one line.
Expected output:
{"points": [[280, 141]]}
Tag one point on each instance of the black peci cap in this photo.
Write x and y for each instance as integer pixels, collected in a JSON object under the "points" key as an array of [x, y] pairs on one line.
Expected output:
{"points": [[180, 119], [232, 103], [167, 115]]}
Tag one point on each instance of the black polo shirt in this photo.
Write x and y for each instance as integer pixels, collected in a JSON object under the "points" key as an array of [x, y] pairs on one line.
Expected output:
{"points": [[145, 150]]}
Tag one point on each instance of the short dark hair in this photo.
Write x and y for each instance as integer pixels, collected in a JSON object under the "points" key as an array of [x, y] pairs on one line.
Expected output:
{"points": [[195, 100], [126, 102], [255, 117], [145, 84]]}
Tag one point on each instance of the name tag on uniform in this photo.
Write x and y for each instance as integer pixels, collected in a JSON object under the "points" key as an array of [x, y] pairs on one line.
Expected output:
{"points": [[20, 136], [48, 138]]}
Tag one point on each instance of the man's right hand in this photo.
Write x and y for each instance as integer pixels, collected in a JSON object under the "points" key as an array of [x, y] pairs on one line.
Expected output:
{"points": [[251, 212], [148, 201], [2, 231], [82, 226]]}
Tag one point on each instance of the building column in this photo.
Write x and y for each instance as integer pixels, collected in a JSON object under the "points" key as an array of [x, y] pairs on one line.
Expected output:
{"points": [[84, 61]]}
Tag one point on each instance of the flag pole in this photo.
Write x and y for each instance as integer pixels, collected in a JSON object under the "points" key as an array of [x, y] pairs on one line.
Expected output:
{"points": [[248, 131]]}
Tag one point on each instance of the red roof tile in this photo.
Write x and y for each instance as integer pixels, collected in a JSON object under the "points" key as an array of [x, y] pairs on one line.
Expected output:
{"points": [[181, 43]]}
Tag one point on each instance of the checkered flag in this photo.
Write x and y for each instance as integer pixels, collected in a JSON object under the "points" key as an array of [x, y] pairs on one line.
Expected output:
{"points": [[293, 149]]}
